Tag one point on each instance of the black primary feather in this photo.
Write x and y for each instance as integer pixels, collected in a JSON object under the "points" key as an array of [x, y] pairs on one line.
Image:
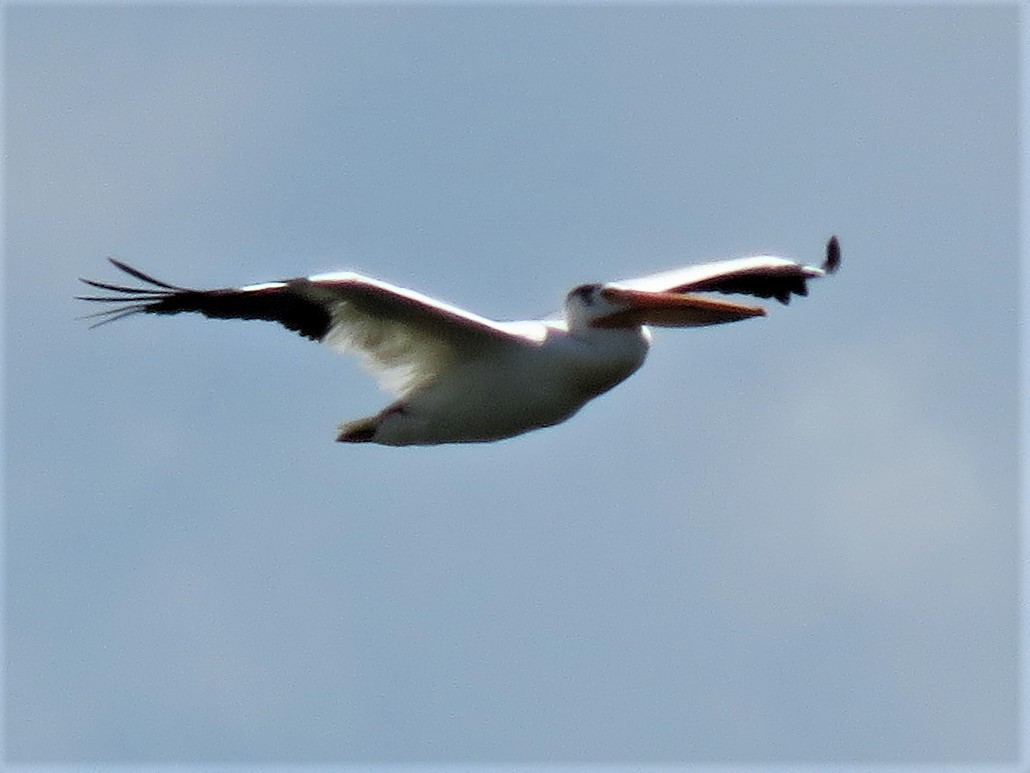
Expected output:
{"points": [[779, 283], [287, 303], [761, 283], [832, 262]]}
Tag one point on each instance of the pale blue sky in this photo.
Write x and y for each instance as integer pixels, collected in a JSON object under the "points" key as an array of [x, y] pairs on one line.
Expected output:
{"points": [[788, 540]]}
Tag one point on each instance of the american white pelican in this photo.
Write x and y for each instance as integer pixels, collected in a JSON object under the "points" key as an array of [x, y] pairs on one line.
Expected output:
{"points": [[459, 377]]}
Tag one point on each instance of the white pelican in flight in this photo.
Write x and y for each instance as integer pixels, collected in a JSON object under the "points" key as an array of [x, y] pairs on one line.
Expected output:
{"points": [[459, 377]]}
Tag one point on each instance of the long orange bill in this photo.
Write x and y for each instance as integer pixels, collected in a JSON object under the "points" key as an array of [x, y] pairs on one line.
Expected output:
{"points": [[671, 309]]}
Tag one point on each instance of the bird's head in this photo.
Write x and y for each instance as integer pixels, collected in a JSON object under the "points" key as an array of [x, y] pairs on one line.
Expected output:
{"points": [[584, 305], [608, 306]]}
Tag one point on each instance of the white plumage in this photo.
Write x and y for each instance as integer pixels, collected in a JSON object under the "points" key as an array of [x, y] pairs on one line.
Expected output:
{"points": [[460, 377]]}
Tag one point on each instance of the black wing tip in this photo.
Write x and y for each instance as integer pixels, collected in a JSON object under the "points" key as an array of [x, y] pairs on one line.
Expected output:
{"points": [[131, 291], [287, 305], [127, 300], [832, 262], [111, 315], [137, 274]]}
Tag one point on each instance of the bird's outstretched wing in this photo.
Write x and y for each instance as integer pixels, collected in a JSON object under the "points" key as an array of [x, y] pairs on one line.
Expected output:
{"points": [[405, 338], [764, 276]]}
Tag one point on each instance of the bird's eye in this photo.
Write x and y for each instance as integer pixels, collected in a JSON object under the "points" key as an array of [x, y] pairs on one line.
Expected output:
{"points": [[586, 293]]}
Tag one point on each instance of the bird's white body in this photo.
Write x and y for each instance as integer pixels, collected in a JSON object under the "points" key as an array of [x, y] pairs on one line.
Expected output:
{"points": [[465, 378], [536, 381], [460, 377]]}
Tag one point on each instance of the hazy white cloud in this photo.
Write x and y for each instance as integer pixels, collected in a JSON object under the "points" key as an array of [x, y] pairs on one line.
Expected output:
{"points": [[895, 488]]}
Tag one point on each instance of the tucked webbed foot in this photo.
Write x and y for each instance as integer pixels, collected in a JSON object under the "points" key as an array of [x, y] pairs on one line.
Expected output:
{"points": [[360, 431], [364, 430]]}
